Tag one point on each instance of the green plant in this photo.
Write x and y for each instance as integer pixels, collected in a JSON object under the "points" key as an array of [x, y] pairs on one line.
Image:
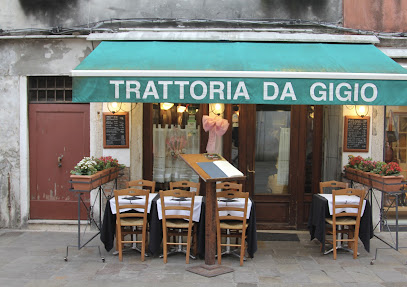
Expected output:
{"points": [[109, 162], [87, 166], [392, 168], [367, 164], [378, 167], [354, 161]]}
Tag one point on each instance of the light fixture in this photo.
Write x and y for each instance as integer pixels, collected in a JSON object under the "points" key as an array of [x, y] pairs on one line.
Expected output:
{"points": [[181, 109], [217, 109], [166, 106], [362, 111], [114, 107]]}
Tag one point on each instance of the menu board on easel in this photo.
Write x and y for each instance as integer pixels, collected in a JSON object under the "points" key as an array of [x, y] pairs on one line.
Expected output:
{"points": [[356, 135], [116, 130]]}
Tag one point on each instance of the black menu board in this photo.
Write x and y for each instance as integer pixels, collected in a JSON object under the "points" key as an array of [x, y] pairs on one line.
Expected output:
{"points": [[356, 135], [116, 130]]}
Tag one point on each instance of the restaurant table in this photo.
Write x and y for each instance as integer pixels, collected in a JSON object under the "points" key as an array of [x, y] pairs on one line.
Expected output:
{"points": [[155, 238], [209, 269], [320, 210], [108, 229]]}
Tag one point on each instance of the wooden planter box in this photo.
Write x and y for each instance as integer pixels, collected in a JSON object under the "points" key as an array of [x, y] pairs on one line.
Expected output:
{"points": [[351, 173], [113, 173], [386, 183], [86, 182]]}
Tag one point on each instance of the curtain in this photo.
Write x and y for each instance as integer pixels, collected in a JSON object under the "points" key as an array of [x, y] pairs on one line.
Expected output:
{"points": [[168, 143], [283, 157]]}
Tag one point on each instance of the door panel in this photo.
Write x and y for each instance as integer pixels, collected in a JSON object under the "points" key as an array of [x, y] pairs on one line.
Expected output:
{"points": [[56, 131], [279, 150]]}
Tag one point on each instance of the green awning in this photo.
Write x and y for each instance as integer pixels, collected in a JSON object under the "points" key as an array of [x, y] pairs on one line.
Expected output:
{"points": [[239, 72]]}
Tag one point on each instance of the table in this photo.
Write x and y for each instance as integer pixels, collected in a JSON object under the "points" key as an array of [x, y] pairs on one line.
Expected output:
{"points": [[108, 228], [316, 221], [155, 238], [209, 269]]}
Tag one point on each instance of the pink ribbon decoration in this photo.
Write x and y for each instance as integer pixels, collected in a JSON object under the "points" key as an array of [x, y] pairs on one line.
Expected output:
{"points": [[216, 127]]}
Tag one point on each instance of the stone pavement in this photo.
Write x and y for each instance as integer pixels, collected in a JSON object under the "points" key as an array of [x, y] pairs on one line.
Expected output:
{"points": [[36, 258]]}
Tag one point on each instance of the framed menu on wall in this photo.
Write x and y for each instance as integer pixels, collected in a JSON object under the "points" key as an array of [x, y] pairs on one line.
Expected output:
{"points": [[116, 130], [356, 134]]}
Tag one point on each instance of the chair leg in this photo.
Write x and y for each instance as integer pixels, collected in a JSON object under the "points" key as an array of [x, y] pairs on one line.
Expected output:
{"points": [[188, 246], [119, 242], [334, 243], [143, 243], [219, 241], [242, 249], [165, 245]]}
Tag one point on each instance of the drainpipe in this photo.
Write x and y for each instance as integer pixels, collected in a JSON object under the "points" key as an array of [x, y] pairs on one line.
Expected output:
{"points": [[9, 198]]}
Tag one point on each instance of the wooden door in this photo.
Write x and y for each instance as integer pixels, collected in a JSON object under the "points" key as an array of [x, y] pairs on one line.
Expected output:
{"points": [[59, 138], [278, 148]]}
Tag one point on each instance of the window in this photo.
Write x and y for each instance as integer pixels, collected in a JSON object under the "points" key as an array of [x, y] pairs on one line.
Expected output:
{"points": [[52, 89]]}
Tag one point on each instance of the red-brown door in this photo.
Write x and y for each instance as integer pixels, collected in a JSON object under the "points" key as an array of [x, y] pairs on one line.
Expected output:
{"points": [[59, 138]]}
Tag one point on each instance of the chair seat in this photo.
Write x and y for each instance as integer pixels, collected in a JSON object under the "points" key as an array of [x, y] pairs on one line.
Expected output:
{"points": [[342, 221], [177, 223], [232, 224], [129, 221]]}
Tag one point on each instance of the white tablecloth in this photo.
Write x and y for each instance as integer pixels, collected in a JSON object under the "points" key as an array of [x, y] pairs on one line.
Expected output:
{"points": [[343, 199], [239, 202], [141, 201], [169, 201]]}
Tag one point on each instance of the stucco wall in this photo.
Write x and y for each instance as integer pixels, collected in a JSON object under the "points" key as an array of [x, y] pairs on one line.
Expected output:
{"points": [[70, 13], [21, 58]]}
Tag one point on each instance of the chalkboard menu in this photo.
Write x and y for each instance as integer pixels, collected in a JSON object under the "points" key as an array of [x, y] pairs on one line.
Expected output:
{"points": [[356, 135], [116, 130]]}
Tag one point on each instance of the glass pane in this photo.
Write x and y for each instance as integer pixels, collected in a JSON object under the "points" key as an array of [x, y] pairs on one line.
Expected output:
{"points": [[175, 132], [235, 136], [272, 149], [308, 160]]}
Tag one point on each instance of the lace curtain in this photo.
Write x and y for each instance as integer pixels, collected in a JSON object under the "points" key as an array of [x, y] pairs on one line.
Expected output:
{"points": [[168, 143]]}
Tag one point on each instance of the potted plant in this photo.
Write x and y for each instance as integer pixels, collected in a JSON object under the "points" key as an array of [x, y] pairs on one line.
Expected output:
{"points": [[365, 167], [352, 167], [386, 176], [85, 175], [112, 165]]}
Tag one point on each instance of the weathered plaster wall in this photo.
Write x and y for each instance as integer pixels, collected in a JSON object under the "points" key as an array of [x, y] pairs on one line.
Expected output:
{"points": [[378, 15], [69, 13], [21, 58]]}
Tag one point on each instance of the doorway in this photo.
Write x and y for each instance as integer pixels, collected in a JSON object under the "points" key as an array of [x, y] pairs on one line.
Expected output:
{"points": [[59, 138], [279, 148]]}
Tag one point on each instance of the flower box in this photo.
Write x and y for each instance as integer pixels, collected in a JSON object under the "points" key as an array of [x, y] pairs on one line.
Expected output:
{"points": [[386, 183], [86, 182], [350, 173], [104, 176], [113, 173]]}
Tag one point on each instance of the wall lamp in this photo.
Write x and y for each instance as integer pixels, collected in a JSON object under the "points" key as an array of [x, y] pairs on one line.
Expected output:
{"points": [[361, 110], [115, 107]]}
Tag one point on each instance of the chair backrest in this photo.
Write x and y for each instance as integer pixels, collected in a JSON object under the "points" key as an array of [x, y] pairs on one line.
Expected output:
{"points": [[328, 186], [121, 206], [169, 209], [185, 185], [229, 186], [356, 206], [142, 183], [237, 212]]}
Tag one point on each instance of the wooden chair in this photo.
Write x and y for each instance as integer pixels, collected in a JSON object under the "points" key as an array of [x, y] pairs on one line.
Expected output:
{"points": [[189, 185], [142, 183], [328, 186], [126, 222], [351, 220], [177, 225], [185, 185], [235, 223]]}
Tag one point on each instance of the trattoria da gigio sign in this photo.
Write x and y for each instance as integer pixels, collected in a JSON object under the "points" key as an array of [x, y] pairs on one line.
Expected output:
{"points": [[234, 90]]}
